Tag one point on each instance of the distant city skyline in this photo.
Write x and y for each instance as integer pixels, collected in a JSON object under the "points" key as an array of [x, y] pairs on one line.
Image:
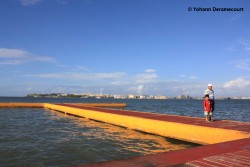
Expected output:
{"points": [[158, 47], [127, 96]]}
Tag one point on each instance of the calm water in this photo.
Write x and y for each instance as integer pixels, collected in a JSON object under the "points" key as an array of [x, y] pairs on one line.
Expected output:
{"points": [[39, 137]]}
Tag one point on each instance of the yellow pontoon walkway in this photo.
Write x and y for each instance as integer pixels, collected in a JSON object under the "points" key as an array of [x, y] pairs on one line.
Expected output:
{"points": [[226, 143], [40, 105]]}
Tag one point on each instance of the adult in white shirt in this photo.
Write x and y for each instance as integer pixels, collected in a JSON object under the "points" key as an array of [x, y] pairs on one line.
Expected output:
{"points": [[209, 91]]}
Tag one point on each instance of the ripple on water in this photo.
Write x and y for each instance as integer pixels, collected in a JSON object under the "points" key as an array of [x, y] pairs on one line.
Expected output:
{"points": [[38, 137]]}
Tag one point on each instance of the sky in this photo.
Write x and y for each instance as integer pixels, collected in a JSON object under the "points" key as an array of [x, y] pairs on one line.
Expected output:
{"points": [[146, 47]]}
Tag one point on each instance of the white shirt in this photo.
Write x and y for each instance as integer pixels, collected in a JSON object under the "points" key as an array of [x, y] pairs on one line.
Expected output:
{"points": [[210, 93]]}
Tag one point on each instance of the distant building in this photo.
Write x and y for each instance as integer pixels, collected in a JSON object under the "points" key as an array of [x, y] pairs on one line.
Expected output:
{"points": [[141, 97], [160, 97], [183, 97], [120, 96], [131, 96]]}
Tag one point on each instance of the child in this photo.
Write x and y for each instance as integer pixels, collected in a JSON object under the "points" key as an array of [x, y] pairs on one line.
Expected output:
{"points": [[207, 108]]}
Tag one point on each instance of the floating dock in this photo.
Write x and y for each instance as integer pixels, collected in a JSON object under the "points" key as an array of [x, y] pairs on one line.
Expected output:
{"points": [[226, 154], [225, 143], [25, 105], [41, 105], [189, 129]]}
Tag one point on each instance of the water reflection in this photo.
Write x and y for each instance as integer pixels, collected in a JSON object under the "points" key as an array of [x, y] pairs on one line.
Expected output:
{"points": [[127, 139]]}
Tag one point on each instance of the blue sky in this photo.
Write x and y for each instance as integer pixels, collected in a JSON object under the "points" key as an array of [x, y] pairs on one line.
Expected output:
{"points": [[154, 47]]}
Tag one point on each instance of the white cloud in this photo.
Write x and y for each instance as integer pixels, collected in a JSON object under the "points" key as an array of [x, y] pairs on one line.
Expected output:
{"points": [[114, 75], [12, 62], [119, 83], [169, 88], [18, 56], [122, 83], [80, 76], [182, 75], [74, 68], [41, 58], [243, 64], [188, 76], [239, 45], [82, 68], [237, 83], [193, 77], [12, 53], [146, 78], [30, 2], [150, 70], [140, 89]]}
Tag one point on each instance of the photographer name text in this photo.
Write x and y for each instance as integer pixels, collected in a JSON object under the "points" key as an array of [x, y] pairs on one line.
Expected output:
{"points": [[214, 9]]}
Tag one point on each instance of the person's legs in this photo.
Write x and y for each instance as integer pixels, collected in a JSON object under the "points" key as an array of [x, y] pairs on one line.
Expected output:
{"points": [[210, 116], [206, 115], [207, 118], [213, 105]]}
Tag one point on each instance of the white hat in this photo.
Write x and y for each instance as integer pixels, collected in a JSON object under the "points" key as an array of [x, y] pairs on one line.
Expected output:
{"points": [[210, 84]]}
